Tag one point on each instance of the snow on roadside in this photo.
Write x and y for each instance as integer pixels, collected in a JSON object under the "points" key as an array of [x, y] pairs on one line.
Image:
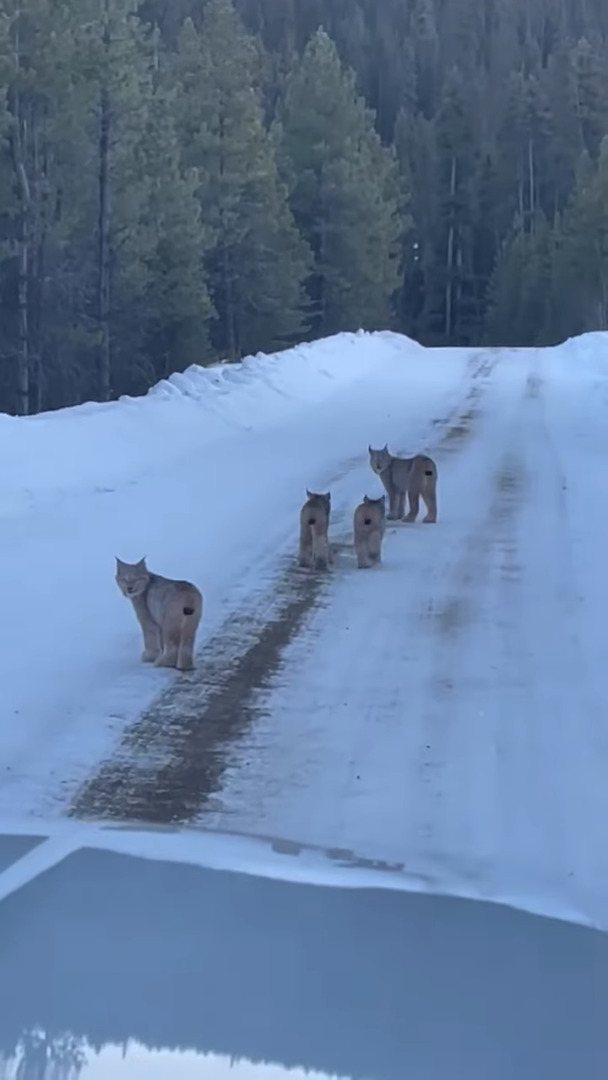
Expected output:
{"points": [[78, 448], [205, 475]]}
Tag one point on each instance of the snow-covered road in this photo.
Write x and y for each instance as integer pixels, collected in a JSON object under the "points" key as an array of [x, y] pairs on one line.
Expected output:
{"points": [[448, 712], [444, 713]]}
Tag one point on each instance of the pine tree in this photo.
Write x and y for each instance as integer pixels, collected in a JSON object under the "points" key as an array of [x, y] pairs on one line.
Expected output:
{"points": [[415, 149], [566, 138], [257, 261], [520, 309], [582, 264], [592, 94], [450, 288], [21, 48], [43, 147], [344, 192], [176, 306], [99, 261], [523, 140]]}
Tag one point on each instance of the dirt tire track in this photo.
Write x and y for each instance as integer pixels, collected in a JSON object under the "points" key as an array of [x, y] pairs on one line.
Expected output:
{"points": [[173, 757], [171, 761], [494, 541]]}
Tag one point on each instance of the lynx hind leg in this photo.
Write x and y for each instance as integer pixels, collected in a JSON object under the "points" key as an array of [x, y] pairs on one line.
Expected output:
{"points": [[321, 553], [185, 652], [305, 551], [171, 633], [375, 548], [413, 496], [152, 643], [429, 495], [393, 506], [362, 552]]}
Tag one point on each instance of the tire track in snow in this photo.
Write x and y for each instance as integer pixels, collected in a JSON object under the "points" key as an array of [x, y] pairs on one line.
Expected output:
{"points": [[170, 763], [447, 832], [514, 807], [173, 756], [447, 715], [449, 623], [334, 756]]}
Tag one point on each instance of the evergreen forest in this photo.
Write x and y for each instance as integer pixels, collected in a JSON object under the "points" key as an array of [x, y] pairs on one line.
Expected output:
{"points": [[187, 181]]}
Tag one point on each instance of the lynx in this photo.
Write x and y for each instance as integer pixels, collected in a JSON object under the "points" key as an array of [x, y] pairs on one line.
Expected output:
{"points": [[168, 612], [369, 525], [314, 522], [414, 477]]}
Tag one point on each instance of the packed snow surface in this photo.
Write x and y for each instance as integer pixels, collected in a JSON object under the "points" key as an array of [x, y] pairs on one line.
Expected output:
{"points": [[443, 714]]}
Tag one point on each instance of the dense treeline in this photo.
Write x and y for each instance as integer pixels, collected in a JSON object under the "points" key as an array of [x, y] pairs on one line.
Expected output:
{"points": [[187, 180]]}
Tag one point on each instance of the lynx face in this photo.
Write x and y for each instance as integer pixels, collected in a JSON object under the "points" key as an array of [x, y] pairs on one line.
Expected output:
{"points": [[379, 459], [132, 578]]}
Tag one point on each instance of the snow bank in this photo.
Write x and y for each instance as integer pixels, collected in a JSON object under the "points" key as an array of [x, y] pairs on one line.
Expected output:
{"points": [[584, 354], [103, 445]]}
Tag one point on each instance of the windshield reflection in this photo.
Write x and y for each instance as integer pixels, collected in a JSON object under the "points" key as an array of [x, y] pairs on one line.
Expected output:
{"points": [[112, 965], [70, 1060]]}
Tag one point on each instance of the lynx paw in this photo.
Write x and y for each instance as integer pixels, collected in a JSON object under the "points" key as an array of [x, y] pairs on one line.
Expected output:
{"points": [[185, 664], [148, 656], [166, 660]]}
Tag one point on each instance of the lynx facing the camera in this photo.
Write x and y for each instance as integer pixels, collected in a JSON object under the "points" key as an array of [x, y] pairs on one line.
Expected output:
{"points": [[168, 612], [415, 477]]}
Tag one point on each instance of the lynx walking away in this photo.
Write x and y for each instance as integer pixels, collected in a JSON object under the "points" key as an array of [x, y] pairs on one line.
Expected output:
{"points": [[414, 477], [314, 523], [369, 524], [168, 612]]}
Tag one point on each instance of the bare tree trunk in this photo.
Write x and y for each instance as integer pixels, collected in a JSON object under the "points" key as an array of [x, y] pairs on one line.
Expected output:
{"points": [[38, 267], [103, 233], [17, 139], [449, 262], [531, 183], [321, 278], [23, 358], [229, 314], [603, 303], [520, 202]]}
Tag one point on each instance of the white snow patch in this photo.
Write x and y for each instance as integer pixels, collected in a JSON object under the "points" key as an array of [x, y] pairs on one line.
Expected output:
{"points": [[205, 476], [101, 446], [461, 732]]}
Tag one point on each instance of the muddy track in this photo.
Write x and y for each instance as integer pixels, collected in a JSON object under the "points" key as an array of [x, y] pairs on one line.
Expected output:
{"points": [[171, 761]]}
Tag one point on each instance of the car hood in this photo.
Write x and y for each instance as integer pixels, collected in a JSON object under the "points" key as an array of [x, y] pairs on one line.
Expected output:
{"points": [[130, 953]]}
